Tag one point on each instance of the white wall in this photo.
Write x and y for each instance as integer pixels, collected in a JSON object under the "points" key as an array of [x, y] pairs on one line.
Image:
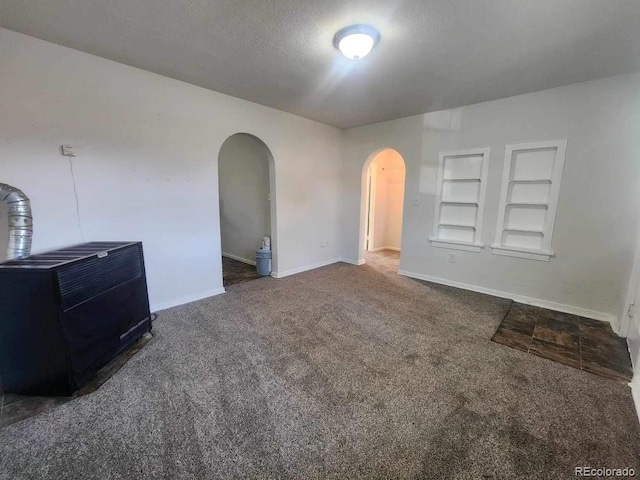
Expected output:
{"points": [[147, 167], [395, 202], [389, 199], [245, 214], [596, 223], [379, 211]]}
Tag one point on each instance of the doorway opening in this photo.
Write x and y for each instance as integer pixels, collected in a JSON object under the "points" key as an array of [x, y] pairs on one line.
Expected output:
{"points": [[246, 174], [381, 228]]}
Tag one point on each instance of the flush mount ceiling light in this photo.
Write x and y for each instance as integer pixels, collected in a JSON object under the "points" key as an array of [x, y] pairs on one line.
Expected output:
{"points": [[356, 41]]}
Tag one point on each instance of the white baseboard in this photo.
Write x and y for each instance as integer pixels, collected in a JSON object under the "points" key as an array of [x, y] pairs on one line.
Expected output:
{"points": [[240, 259], [559, 307], [353, 262], [188, 299], [286, 273]]}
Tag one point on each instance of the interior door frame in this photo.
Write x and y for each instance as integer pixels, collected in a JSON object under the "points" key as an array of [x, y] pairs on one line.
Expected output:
{"points": [[632, 299], [370, 208]]}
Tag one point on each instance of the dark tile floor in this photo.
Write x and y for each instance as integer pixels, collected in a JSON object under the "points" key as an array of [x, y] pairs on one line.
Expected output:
{"points": [[14, 408], [234, 272], [579, 342]]}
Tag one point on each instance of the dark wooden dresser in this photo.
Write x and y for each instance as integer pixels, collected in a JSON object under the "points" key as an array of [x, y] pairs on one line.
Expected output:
{"points": [[65, 314]]}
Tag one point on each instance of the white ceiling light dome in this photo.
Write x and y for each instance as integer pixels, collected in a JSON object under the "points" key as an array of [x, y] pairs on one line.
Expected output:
{"points": [[356, 41]]}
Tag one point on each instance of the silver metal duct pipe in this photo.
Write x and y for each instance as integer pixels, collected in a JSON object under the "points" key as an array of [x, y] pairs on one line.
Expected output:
{"points": [[20, 221]]}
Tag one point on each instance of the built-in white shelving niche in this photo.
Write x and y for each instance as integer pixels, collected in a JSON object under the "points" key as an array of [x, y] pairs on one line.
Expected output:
{"points": [[528, 199], [460, 193]]}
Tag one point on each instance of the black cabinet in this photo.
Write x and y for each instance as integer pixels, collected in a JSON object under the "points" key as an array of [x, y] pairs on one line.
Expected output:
{"points": [[65, 314]]}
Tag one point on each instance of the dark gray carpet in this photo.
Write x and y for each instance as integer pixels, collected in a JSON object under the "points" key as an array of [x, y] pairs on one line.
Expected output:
{"points": [[341, 372]]}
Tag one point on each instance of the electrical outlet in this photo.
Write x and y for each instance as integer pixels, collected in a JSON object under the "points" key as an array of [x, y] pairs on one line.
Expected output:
{"points": [[452, 258]]}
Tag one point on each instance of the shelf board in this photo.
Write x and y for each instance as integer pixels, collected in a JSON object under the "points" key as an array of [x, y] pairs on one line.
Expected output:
{"points": [[537, 181], [528, 204], [461, 225], [529, 253], [524, 230], [456, 244], [452, 202], [461, 180]]}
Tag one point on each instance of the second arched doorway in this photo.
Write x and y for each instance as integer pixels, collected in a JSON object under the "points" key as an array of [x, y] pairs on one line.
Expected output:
{"points": [[383, 202], [246, 176]]}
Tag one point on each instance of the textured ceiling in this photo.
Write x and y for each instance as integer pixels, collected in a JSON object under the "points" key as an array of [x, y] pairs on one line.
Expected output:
{"points": [[433, 54]]}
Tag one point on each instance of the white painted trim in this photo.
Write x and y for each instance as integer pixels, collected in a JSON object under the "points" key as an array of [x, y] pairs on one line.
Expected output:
{"points": [[482, 193], [464, 246], [372, 187], [304, 269], [559, 307], [188, 299], [522, 253], [352, 262], [379, 249], [635, 392], [554, 193], [240, 259], [633, 294], [635, 381]]}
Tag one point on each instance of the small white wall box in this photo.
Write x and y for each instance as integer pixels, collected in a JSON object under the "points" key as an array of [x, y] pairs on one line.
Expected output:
{"points": [[68, 151]]}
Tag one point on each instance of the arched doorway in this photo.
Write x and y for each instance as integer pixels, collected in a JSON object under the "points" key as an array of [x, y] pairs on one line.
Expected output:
{"points": [[383, 179], [246, 176]]}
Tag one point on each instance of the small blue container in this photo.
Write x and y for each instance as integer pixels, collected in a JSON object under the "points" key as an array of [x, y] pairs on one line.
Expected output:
{"points": [[263, 262]]}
